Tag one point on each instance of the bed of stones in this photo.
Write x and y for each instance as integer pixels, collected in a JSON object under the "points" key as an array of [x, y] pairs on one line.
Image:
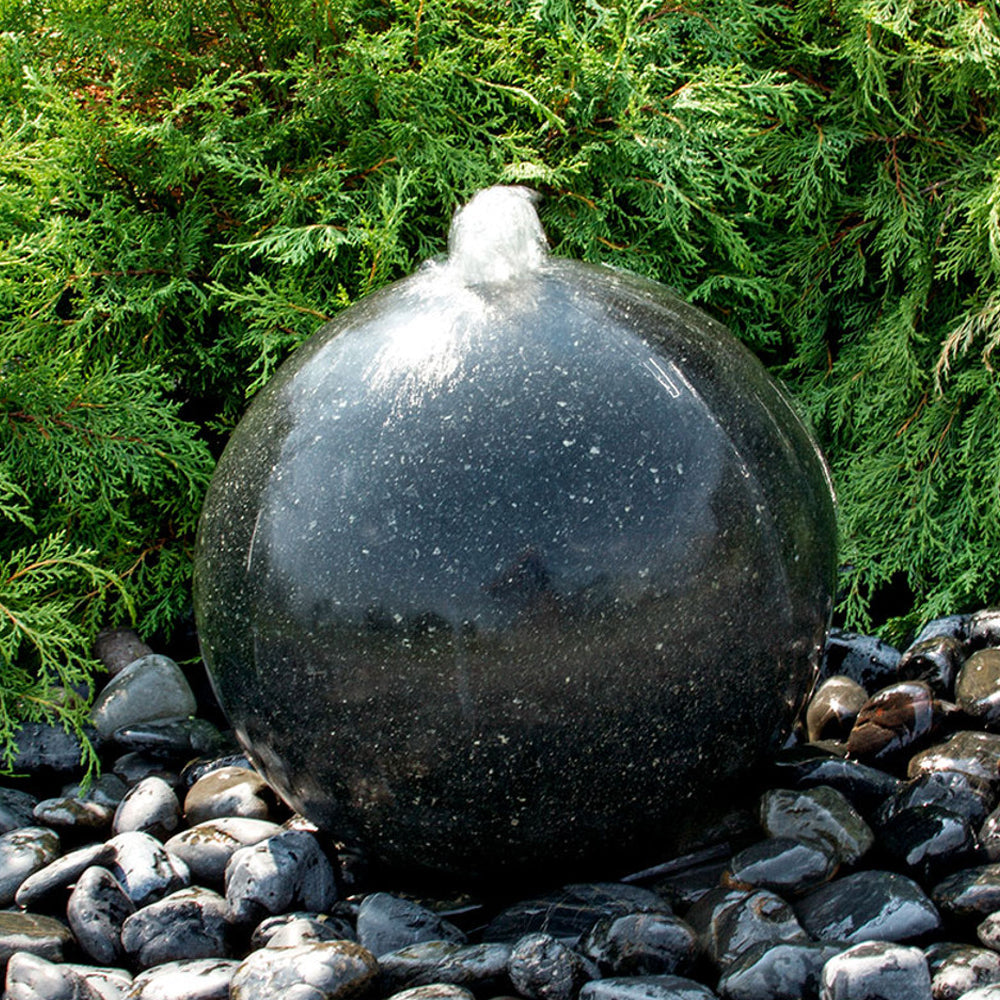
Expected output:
{"points": [[869, 868]]}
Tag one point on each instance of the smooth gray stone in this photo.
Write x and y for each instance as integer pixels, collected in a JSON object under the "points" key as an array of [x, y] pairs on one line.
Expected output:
{"points": [[989, 836], [935, 660], [434, 991], [864, 658], [983, 993], [62, 873], [641, 944], [929, 841], [809, 766], [287, 871], [386, 923], [971, 892], [146, 870], [729, 922], [983, 629], [109, 984], [17, 809], [196, 979], [570, 912], [977, 687], [286, 929], [187, 924], [151, 806], [480, 967], [22, 853], [207, 848], [98, 907], [32, 978], [31, 932], [877, 970], [819, 815], [325, 970], [229, 791], [542, 968], [988, 931], [116, 648], [954, 626], [108, 790], [961, 793], [782, 865], [74, 813], [196, 769], [957, 968], [968, 751], [133, 766], [868, 905], [152, 687], [777, 971], [646, 988]]}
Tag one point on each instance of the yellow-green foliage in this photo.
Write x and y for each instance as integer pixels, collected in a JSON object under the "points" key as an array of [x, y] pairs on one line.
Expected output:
{"points": [[188, 190]]}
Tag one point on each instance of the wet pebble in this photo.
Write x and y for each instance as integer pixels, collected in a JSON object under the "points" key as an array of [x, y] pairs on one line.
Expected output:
{"points": [[116, 648], [866, 788], [864, 658], [110, 984], [299, 927], [386, 923], [171, 738], [641, 944], [34, 933], [953, 790], [151, 807], [868, 905], [58, 876], [834, 707], [192, 979], [23, 852], [286, 871], [145, 869], [957, 968], [481, 968], [44, 749], [935, 660], [229, 791], [189, 923], [435, 991], [98, 907], [646, 988], [819, 815], [968, 751], [988, 931], [542, 968], [971, 892], [17, 809], [325, 970], [133, 766], [784, 971], [207, 848], [892, 721], [977, 687], [877, 970], [32, 978], [983, 629], [929, 841], [782, 865]]}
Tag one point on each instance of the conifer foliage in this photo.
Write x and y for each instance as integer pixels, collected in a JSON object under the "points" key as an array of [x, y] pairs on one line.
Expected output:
{"points": [[188, 190]]}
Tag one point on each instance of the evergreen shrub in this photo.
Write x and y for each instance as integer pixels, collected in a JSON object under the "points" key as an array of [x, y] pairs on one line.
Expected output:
{"points": [[188, 190]]}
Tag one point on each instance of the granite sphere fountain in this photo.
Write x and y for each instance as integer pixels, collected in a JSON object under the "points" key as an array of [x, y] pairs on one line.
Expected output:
{"points": [[515, 567]]}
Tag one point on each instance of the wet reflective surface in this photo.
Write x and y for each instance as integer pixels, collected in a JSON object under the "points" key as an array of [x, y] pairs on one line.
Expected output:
{"points": [[503, 576]]}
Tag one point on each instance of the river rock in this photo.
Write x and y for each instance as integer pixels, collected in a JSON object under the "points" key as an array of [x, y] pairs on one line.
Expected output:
{"points": [[955, 791], [971, 892], [983, 629], [284, 872], [62, 873], [23, 852], [152, 687], [207, 848], [171, 738], [229, 791], [782, 865], [967, 751], [145, 869], [187, 924], [977, 688], [834, 707], [325, 970], [817, 815], [893, 721], [109, 984], [151, 807], [646, 988], [481, 968], [435, 991], [864, 658], [957, 968], [44, 749], [935, 660], [194, 979], [116, 648], [387, 923], [868, 905], [929, 840], [17, 809], [641, 944], [98, 907], [542, 968], [33, 933], [784, 971], [32, 978], [809, 766], [286, 929], [877, 970]]}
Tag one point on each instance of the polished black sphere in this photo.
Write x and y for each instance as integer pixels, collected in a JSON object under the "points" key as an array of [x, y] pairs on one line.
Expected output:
{"points": [[517, 566]]}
